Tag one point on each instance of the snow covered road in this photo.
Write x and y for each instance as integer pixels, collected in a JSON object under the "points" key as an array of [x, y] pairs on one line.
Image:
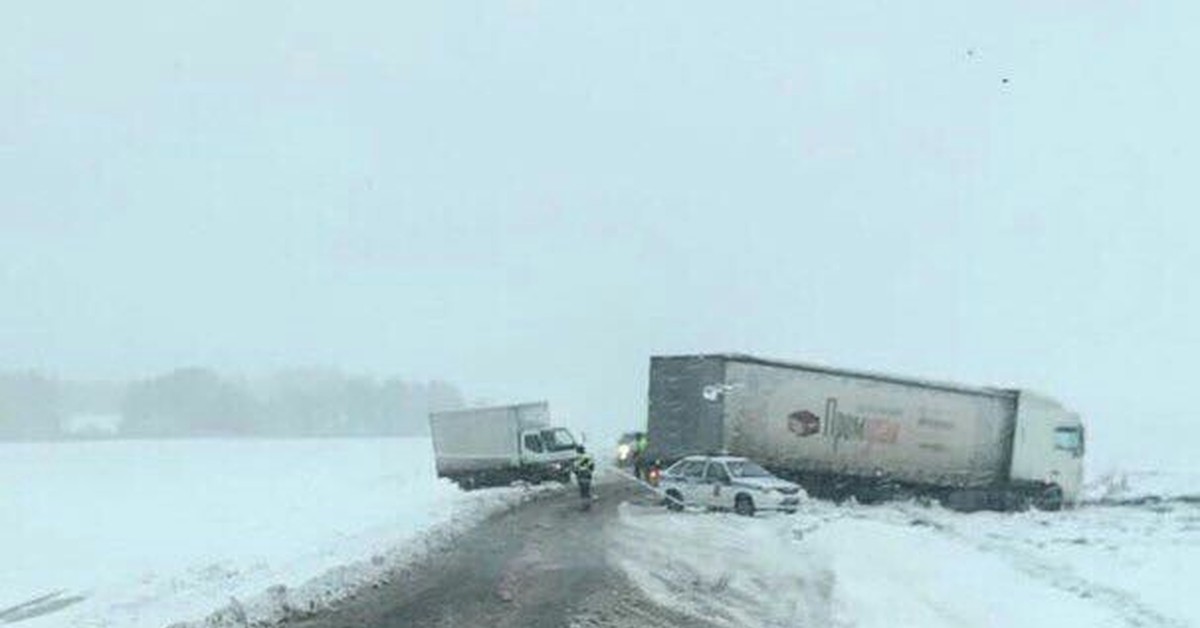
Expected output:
{"points": [[543, 565]]}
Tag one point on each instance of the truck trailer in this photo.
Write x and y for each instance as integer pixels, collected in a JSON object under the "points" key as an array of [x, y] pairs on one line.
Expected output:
{"points": [[497, 445], [842, 433]]}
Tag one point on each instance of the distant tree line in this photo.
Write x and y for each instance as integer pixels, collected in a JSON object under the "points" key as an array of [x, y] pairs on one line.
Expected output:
{"points": [[198, 402]]}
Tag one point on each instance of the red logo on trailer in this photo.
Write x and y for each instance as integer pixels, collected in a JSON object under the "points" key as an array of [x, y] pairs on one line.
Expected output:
{"points": [[804, 423]]}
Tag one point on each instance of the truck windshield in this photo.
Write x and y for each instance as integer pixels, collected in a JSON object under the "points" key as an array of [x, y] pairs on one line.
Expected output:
{"points": [[558, 439], [746, 469], [1069, 439]]}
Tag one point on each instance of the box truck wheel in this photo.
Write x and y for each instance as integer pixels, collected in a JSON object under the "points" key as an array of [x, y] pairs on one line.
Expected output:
{"points": [[744, 505], [674, 501]]}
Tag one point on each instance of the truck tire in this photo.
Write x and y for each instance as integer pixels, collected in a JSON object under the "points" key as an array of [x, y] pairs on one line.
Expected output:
{"points": [[743, 505], [674, 501], [1016, 500], [1051, 498]]}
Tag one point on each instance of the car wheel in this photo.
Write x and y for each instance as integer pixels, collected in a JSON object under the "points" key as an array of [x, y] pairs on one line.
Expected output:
{"points": [[743, 505], [674, 501]]}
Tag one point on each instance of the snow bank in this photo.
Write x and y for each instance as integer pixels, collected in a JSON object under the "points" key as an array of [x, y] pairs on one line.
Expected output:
{"points": [[1138, 562], [149, 533], [735, 571], [1125, 486], [908, 565]]}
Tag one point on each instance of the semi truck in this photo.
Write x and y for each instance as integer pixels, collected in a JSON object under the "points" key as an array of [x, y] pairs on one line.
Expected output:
{"points": [[843, 433], [497, 445]]}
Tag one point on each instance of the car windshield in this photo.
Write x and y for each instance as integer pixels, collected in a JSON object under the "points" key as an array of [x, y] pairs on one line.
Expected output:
{"points": [[558, 439], [746, 469], [687, 468]]}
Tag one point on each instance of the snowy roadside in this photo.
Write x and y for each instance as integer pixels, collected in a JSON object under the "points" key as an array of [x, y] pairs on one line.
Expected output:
{"points": [[1118, 487], [280, 601], [253, 530], [911, 565]]}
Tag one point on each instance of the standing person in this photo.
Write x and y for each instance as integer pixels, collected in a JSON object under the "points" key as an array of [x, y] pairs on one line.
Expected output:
{"points": [[584, 468], [639, 456]]}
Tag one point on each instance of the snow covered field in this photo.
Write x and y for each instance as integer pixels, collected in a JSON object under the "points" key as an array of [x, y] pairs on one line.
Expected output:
{"points": [[152, 532], [911, 565]]}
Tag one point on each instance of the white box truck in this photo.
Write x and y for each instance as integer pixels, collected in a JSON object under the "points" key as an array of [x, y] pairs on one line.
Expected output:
{"points": [[497, 445], [842, 433]]}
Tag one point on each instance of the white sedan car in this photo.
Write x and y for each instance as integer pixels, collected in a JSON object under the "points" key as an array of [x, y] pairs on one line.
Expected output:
{"points": [[727, 483]]}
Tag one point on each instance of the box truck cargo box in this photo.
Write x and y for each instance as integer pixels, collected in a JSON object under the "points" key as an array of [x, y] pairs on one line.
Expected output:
{"points": [[497, 445]]}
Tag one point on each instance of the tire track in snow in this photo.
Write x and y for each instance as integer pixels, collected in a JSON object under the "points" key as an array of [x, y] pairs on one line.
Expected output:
{"points": [[1124, 604]]}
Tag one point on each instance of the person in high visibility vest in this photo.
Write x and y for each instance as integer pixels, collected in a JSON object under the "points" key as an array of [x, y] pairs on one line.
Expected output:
{"points": [[584, 468], [639, 456]]}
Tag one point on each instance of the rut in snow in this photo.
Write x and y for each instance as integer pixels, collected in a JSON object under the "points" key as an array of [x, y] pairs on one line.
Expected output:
{"points": [[1123, 604]]}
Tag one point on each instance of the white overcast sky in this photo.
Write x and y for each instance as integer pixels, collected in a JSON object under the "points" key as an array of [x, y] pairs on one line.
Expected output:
{"points": [[529, 198]]}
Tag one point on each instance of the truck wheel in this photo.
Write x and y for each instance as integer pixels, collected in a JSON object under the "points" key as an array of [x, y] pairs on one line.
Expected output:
{"points": [[1015, 500], [744, 505], [674, 501], [1051, 498]]}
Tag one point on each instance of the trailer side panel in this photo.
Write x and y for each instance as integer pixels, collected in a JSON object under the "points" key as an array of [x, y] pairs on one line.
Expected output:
{"points": [[841, 423]]}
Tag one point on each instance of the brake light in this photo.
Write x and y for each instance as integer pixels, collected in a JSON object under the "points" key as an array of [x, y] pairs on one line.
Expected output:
{"points": [[653, 477]]}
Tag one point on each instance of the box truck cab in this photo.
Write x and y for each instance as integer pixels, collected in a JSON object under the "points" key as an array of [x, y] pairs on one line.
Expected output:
{"points": [[547, 446]]}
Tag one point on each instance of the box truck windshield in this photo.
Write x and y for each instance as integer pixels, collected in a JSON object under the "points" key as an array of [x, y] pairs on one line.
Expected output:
{"points": [[558, 439]]}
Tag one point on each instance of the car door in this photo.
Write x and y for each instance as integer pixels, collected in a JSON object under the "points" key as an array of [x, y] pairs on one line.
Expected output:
{"points": [[716, 491], [691, 484], [532, 448]]}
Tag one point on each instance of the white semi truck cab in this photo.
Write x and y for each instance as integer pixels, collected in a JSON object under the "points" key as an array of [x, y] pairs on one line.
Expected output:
{"points": [[1047, 447]]}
